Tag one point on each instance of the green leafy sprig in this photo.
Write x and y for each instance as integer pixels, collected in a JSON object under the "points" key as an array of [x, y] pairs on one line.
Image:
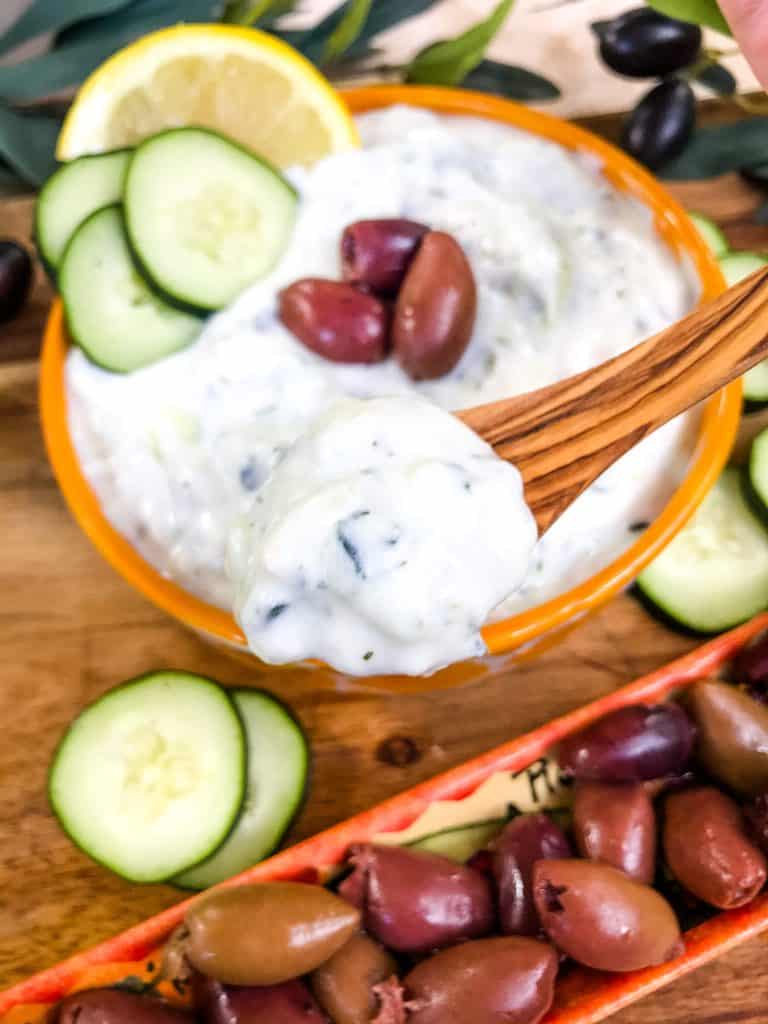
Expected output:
{"points": [[342, 44]]}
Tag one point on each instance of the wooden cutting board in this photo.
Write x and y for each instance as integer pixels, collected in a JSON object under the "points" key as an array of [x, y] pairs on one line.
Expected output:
{"points": [[70, 629]]}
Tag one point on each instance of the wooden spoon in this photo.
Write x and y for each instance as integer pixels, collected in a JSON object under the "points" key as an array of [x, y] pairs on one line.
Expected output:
{"points": [[563, 437]]}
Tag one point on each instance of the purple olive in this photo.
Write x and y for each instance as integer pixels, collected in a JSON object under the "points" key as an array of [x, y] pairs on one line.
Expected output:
{"points": [[15, 278], [615, 823], [289, 1003], [603, 919], [526, 839], [268, 933], [751, 664], [414, 902], [491, 981], [708, 850], [631, 744], [756, 814], [336, 320], [377, 253], [111, 1006], [344, 985]]}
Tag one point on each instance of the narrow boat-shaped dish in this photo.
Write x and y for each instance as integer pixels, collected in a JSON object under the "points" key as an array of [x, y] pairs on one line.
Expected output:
{"points": [[477, 790]]}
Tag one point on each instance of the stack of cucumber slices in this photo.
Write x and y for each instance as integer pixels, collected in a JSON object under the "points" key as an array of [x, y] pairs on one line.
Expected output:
{"points": [[144, 242], [172, 778], [714, 574]]}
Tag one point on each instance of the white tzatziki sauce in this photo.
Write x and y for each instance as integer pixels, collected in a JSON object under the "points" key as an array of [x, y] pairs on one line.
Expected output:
{"points": [[357, 546], [214, 441]]}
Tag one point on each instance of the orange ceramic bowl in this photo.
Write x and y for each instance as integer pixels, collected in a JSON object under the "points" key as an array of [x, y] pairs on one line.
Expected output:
{"points": [[532, 629], [581, 996]]}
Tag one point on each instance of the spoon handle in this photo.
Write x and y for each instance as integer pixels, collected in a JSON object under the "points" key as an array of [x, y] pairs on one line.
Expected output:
{"points": [[564, 436]]}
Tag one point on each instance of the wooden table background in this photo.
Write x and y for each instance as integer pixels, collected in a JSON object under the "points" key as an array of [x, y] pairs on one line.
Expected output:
{"points": [[70, 628]]}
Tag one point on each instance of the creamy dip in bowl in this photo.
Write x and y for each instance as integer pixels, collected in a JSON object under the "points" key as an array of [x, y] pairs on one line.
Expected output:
{"points": [[570, 271]]}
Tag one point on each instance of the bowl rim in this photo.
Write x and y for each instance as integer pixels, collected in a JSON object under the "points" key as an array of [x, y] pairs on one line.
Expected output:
{"points": [[717, 432]]}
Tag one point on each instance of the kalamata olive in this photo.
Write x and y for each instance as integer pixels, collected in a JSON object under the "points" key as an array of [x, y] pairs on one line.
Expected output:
{"points": [[289, 1003], [661, 124], [642, 43], [750, 665], [267, 934], [377, 253], [15, 278], [111, 1006], [707, 848], [631, 744], [733, 735], [435, 310], [414, 901], [756, 813], [344, 985], [615, 823], [490, 981], [336, 320], [526, 839], [603, 919]]}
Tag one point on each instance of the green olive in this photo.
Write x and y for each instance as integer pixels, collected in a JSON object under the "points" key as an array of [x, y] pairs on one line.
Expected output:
{"points": [[267, 934]]}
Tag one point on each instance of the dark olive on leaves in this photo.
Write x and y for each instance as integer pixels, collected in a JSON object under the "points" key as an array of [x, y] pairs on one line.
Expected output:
{"points": [[526, 839], [414, 902], [615, 823], [289, 1003], [642, 43], [732, 735], [15, 279], [708, 850], [661, 124], [344, 985], [267, 933], [631, 744], [602, 918], [491, 981], [111, 1006]]}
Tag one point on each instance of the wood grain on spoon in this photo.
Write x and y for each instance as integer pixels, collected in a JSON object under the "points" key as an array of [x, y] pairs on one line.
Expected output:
{"points": [[564, 436]]}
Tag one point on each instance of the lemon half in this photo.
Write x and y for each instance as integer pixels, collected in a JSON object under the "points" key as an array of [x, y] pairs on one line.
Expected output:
{"points": [[241, 82]]}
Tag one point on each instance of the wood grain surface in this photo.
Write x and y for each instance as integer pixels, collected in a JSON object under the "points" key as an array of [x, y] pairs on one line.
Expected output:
{"points": [[70, 629]]}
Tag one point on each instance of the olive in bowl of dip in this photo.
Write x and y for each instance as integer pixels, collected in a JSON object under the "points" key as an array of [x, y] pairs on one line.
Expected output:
{"points": [[577, 254]]}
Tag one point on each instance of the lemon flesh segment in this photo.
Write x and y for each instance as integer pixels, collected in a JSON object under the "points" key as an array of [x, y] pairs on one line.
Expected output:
{"points": [[240, 82]]}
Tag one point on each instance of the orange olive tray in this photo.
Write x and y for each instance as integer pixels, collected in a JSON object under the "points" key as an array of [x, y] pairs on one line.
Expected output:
{"points": [[583, 997]]}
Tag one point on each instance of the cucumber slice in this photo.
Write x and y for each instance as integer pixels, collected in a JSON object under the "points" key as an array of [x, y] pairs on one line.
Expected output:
{"points": [[711, 234], [738, 265], [111, 312], [72, 194], [149, 779], [714, 574], [278, 760], [757, 474], [205, 217], [755, 383], [461, 843]]}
